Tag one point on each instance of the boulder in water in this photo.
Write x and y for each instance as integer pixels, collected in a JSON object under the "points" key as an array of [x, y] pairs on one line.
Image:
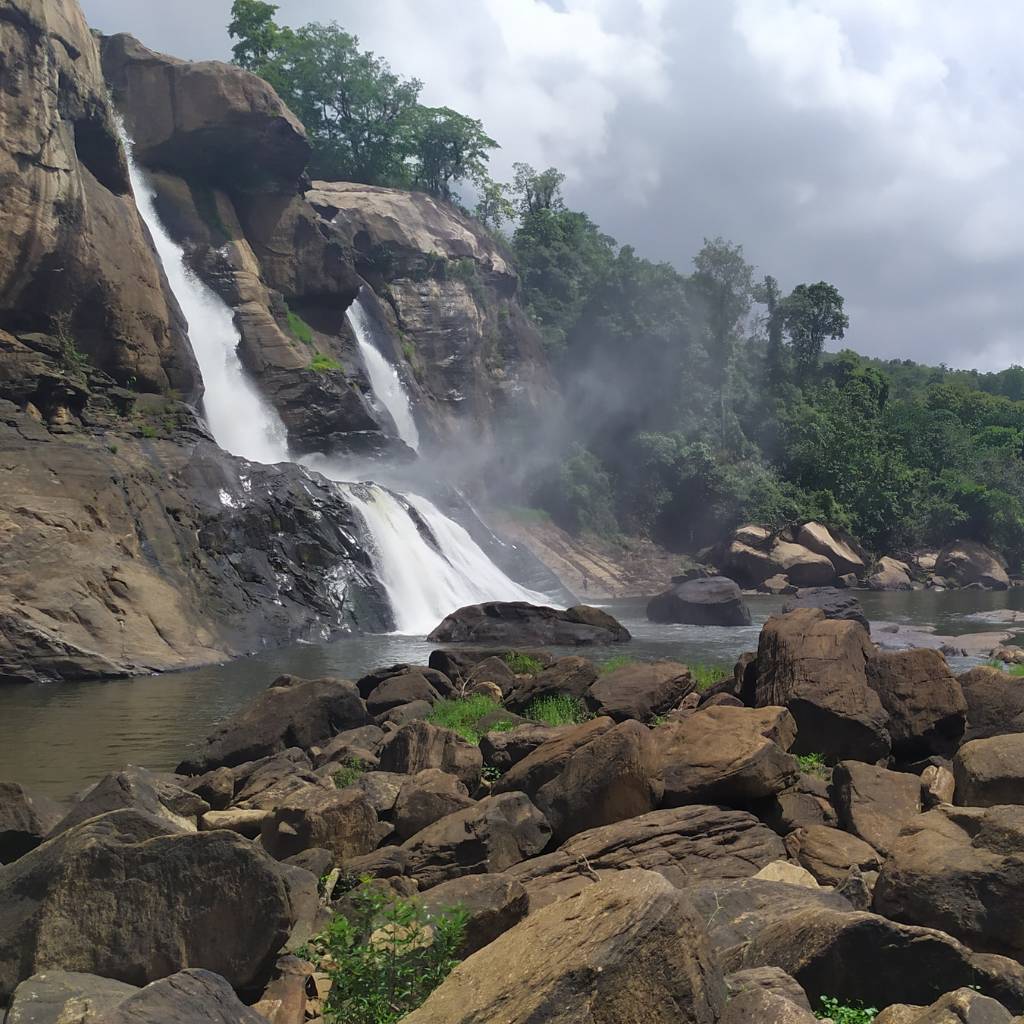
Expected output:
{"points": [[518, 624], [713, 601], [967, 563], [833, 602]]}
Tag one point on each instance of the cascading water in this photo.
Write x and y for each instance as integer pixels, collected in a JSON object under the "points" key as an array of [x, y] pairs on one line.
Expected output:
{"points": [[239, 419], [423, 583], [384, 378]]}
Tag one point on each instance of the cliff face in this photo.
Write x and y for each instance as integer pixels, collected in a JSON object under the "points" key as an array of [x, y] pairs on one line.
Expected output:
{"points": [[75, 258]]}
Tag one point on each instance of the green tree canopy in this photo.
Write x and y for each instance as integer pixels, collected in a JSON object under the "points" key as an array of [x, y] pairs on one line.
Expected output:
{"points": [[812, 313]]}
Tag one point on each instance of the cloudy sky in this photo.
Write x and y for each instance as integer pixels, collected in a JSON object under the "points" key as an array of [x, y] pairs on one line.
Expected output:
{"points": [[877, 144]]}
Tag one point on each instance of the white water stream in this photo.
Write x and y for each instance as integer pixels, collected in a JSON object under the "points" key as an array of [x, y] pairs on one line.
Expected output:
{"points": [[423, 583]]}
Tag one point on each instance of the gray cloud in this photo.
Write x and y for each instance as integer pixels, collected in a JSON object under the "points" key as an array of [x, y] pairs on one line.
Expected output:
{"points": [[871, 143]]}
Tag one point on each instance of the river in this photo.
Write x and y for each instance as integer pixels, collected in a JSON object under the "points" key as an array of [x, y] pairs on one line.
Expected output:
{"points": [[58, 738]]}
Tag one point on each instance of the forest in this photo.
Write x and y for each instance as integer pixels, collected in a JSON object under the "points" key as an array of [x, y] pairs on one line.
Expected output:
{"points": [[694, 398]]}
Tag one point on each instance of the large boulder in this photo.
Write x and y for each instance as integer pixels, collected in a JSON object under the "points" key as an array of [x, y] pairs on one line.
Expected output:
{"points": [[964, 1006], [518, 624], [570, 676], [835, 603], [402, 689], [960, 869], [721, 756], [817, 668], [685, 844], [342, 821], [629, 949], [890, 574], [995, 702], [426, 797], [506, 748], [144, 904], [754, 556], [291, 713], [965, 562], [819, 539], [26, 818], [640, 690], [65, 997], [493, 903], [490, 836], [925, 703], [418, 745], [830, 854], [990, 772], [205, 119], [710, 601], [874, 803], [594, 775]]}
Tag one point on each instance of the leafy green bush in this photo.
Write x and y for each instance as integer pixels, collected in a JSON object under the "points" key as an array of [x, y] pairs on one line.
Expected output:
{"points": [[611, 664], [299, 328], [350, 770], [1012, 670], [845, 1013], [558, 709], [385, 957], [322, 363], [522, 664], [705, 676], [812, 764], [462, 715]]}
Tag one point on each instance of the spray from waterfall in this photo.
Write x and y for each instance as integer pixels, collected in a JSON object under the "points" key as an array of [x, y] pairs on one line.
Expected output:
{"points": [[384, 379]]}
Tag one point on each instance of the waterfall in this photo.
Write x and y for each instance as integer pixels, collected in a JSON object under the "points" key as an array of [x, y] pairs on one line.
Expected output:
{"points": [[384, 379], [424, 583], [241, 422]]}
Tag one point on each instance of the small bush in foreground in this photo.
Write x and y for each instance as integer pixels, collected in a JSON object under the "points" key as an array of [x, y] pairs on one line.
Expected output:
{"points": [[558, 709], [462, 715], [350, 770], [385, 957], [812, 764], [522, 664], [843, 1013]]}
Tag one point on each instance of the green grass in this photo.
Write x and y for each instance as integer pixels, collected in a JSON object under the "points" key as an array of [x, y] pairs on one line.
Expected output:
{"points": [[350, 770], [462, 715], [522, 664], [845, 1013], [612, 664], [299, 328], [1010, 670], [812, 764], [322, 364], [384, 956], [558, 709], [705, 676], [523, 514]]}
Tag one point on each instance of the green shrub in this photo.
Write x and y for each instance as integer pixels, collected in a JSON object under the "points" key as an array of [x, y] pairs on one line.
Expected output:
{"points": [[322, 363], [705, 676], [1011, 670], [619, 661], [462, 715], [558, 709], [350, 770], [522, 664], [384, 958], [299, 328], [147, 430], [813, 764], [845, 1013]]}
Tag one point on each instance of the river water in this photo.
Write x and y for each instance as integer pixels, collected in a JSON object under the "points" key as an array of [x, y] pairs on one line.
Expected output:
{"points": [[59, 737]]}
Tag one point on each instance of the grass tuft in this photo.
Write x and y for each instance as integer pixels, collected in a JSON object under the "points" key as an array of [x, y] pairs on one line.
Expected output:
{"points": [[299, 328], [522, 664], [612, 664], [350, 770], [558, 709], [845, 1013], [1010, 670], [813, 764], [706, 675], [323, 364], [462, 715]]}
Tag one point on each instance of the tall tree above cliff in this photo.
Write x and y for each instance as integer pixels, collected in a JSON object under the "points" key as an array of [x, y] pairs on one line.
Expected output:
{"points": [[812, 313], [364, 121]]}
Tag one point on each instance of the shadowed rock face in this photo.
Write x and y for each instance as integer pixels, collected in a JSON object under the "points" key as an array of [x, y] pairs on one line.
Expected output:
{"points": [[73, 251]]}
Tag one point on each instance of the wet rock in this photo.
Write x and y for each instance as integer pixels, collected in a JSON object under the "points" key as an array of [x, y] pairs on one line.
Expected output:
{"points": [[591, 958], [26, 818], [518, 624], [236, 916], [419, 745], [874, 803], [685, 844], [495, 903], [816, 667], [640, 690], [714, 601], [490, 836], [291, 713]]}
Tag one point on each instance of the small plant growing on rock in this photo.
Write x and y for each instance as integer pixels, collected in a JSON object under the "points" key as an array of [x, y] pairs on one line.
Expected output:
{"points": [[522, 664], [350, 770], [558, 709], [300, 330], [612, 664], [813, 764], [384, 957], [323, 364], [705, 676], [463, 715], [845, 1013], [1011, 670]]}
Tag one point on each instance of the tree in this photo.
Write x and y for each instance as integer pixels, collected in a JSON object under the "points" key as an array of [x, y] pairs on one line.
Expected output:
{"points": [[494, 205], [776, 354], [812, 313], [723, 287], [537, 191], [449, 146], [252, 24]]}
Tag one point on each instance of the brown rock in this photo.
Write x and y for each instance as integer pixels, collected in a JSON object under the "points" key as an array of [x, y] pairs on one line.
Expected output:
{"points": [[829, 854], [966, 562], [426, 797], [572, 676], [964, 1006], [398, 690], [821, 541], [890, 574], [342, 821], [685, 844], [768, 979], [874, 803], [990, 772], [25, 820], [816, 667], [518, 624], [938, 786], [765, 1008], [495, 903], [65, 997], [995, 702], [924, 701], [418, 745], [504, 749], [640, 690], [245, 823], [629, 949]]}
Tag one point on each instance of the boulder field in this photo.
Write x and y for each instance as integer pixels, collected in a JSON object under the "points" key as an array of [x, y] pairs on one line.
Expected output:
{"points": [[831, 821]]}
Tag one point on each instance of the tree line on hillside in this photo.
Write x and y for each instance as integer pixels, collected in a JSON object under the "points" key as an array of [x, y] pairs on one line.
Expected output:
{"points": [[693, 401]]}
